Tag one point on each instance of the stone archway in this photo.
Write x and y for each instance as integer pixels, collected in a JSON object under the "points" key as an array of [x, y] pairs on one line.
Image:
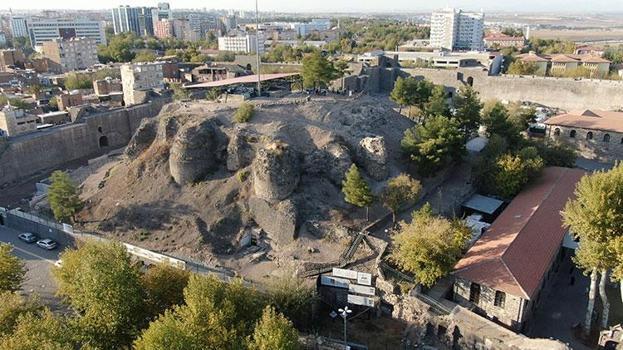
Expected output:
{"points": [[103, 141]]}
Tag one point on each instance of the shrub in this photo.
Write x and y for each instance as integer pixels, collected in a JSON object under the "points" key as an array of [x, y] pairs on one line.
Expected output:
{"points": [[244, 113]]}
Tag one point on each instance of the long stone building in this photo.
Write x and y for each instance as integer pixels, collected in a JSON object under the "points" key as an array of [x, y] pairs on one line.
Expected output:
{"points": [[594, 134], [503, 275]]}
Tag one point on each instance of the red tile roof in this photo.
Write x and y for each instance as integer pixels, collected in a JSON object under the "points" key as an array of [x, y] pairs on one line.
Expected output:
{"points": [[588, 119], [532, 57], [563, 59], [517, 250]]}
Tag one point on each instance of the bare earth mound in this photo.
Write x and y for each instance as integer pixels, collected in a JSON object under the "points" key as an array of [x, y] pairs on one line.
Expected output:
{"points": [[194, 183]]}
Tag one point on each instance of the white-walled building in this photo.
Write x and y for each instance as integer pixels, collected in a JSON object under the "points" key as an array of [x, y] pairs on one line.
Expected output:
{"points": [[453, 29], [14, 121], [138, 78], [244, 43], [42, 30]]}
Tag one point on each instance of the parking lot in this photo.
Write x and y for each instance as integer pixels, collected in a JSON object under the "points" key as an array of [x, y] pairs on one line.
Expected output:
{"points": [[38, 263]]}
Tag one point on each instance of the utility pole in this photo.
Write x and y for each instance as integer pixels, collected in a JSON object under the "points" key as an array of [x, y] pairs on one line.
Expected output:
{"points": [[257, 49], [344, 313]]}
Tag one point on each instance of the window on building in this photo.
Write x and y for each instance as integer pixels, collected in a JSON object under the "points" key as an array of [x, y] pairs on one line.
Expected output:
{"points": [[500, 299], [557, 131], [589, 135], [607, 138], [474, 293], [572, 134]]}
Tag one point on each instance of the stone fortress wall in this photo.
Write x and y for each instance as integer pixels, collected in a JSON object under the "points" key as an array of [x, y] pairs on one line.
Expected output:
{"points": [[28, 154], [565, 93]]}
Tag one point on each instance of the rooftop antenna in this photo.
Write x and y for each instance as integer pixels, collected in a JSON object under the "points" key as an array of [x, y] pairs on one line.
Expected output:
{"points": [[257, 49]]}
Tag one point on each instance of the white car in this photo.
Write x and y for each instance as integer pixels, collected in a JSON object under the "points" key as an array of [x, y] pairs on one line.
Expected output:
{"points": [[47, 243]]}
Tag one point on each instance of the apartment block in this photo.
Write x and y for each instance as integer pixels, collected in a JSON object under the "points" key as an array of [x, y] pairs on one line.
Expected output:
{"points": [[138, 20], [19, 27], [138, 78], [15, 121], [72, 54], [453, 29]]}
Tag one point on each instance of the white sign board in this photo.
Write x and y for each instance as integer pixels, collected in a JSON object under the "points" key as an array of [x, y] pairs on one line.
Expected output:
{"points": [[359, 300], [364, 278], [350, 274], [355, 288], [334, 281]]}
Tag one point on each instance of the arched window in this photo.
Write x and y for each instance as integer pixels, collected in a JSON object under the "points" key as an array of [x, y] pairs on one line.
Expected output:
{"points": [[606, 137], [589, 135], [557, 131], [572, 134]]}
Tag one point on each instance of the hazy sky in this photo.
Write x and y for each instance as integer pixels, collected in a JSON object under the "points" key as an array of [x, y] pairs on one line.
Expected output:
{"points": [[341, 5]]}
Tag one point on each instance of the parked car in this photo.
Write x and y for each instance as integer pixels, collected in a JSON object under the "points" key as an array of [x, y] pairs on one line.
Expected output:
{"points": [[47, 243], [28, 237]]}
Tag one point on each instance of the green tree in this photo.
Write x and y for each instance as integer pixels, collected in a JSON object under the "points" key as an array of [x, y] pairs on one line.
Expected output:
{"points": [[144, 56], [75, 81], [595, 217], [429, 246], [519, 67], [293, 298], [437, 104], [556, 153], [400, 93], [496, 119], [467, 109], [164, 286], [411, 92], [317, 71], [179, 92], [274, 331], [244, 113], [12, 306], [356, 190], [12, 270], [103, 286], [519, 116], [63, 196], [400, 190], [434, 144], [216, 315], [34, 331]]}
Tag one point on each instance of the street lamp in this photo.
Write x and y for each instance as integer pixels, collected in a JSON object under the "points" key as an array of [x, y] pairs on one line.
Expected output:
{"points": [[344, 313], [257, 49]]}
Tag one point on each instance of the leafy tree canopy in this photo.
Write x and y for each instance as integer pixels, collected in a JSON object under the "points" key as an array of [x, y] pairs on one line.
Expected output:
{"points": [[63, 196]]}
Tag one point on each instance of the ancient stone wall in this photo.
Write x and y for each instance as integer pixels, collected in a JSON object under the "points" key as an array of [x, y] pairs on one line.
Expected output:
{"points": [[565, 93], [28, 154]]}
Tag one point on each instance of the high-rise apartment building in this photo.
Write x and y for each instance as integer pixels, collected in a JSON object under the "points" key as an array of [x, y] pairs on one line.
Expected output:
{"points": [[452, 29], [19, 27], [163, 28], [138, 20], [42, 30], [72, 54]]}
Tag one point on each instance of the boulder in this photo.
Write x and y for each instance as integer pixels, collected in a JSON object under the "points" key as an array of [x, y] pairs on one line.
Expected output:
{"points": [[331, 161], [142, 138], [373, 156], [277, 220], [167, 128], [194, 152], [239, 153], [275, 171]]}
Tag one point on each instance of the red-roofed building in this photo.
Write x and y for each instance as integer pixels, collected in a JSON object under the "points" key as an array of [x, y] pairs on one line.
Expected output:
{"points": [[503, 274]]}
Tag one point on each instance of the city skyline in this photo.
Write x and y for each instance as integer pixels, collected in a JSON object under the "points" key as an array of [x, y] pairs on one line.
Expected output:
{"points": [[570, 6]]}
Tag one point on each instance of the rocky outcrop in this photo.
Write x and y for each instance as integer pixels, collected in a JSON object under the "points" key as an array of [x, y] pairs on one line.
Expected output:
{"points": [[194, 152], [277, 220], [239, 152], [276, 171], [167, 128], [142, 138], [332, 161], [373, 155]]}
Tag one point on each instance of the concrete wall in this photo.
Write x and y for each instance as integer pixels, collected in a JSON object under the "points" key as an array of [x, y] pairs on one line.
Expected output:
{"points": [[29, 154], [596, 148], [565, 93]]}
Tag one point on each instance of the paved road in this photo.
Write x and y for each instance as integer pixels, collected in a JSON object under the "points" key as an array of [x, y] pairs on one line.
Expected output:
{"points": [[38, 262]]}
